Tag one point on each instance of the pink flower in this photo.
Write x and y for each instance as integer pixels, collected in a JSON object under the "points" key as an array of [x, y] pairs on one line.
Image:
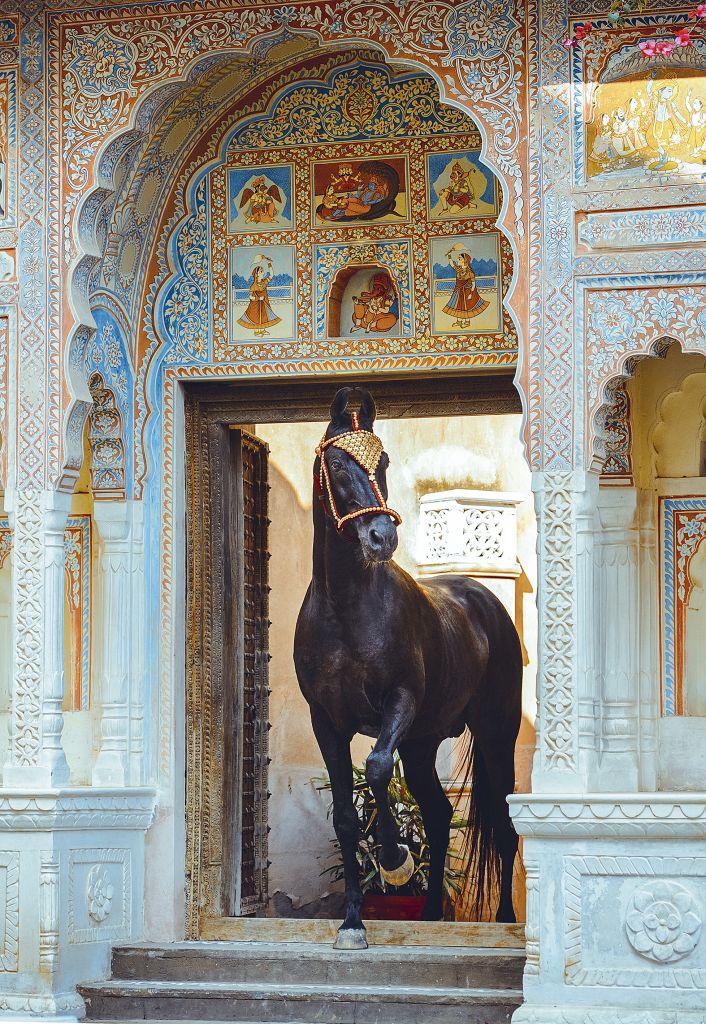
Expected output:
{"points": [[683, 37], [570, 43], [666, 48], [648, 47], [700, 11]]}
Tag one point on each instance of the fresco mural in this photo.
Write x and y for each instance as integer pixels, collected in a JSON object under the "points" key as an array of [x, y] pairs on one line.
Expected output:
{"points": [[653, 121], [465, 283], [259, 198], [358, 191], [460, 186], [345, 226], [262, 292]]}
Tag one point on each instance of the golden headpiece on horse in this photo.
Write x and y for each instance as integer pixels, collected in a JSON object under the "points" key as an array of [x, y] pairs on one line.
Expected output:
{"points": [[363, 446]]}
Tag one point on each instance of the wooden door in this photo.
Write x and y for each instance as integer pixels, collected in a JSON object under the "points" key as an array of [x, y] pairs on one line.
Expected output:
{"points": [[245, 676]]}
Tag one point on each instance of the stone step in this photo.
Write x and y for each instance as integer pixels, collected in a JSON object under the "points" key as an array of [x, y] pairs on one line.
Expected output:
{"points": [[487, 934], [309, 963], [286, 1003]]}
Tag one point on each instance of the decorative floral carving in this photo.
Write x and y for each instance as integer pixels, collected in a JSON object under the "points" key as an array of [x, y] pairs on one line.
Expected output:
{"points": [[557, 624], [663, 922], [99, 893]]}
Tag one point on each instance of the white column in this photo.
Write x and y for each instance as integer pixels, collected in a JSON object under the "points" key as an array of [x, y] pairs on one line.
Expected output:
{"points": [[619, 628], [36, 755], [136, 746], [112, 522], [566, 696]]}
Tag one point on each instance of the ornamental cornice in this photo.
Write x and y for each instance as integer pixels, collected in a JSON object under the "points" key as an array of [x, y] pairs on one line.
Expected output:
{"points": [[602, 815], [73, 809]]}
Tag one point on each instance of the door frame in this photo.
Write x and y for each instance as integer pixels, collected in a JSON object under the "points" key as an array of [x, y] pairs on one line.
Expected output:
{"points": [[211, 410]]}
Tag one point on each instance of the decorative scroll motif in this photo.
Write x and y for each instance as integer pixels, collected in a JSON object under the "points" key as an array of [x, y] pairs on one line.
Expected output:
{"points": [[99, 893], [184, 304], [558, 625], [77, 569], [468, 530], [614, 435], [658, 909], [682, 529], [610, 817], [106, 439], [533, 926], [37, 406], [616, 231], [663, 922], [5, 541], [29, 630], [77, 574], [397, 106], [49, 913], [623, 323], [10, 887], [488, 48]]}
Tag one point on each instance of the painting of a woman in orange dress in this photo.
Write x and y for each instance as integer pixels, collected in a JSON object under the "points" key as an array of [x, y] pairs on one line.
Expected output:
{"points": [[259, 314], [466, 301]]}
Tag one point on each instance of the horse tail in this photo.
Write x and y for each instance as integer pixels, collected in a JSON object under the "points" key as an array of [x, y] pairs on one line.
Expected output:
{"points": [[479, 853]]}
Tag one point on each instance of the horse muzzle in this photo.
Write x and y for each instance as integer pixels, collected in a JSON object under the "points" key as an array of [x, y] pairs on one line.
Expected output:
{"points": [[378, 538]]}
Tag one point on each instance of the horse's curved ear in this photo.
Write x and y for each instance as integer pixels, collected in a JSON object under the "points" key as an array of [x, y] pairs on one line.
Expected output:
{"points": [[366, 416], [339, 405]]}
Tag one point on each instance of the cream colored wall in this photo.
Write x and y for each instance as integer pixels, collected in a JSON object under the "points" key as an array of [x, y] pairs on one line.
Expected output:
{"points": [[426, 455]]}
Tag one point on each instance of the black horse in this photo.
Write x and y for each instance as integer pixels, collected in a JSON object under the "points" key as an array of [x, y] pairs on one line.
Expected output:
{"points": [[379, 654]]}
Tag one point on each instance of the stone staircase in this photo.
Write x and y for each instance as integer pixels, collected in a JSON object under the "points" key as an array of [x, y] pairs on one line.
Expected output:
{"points": [[308, 983]]}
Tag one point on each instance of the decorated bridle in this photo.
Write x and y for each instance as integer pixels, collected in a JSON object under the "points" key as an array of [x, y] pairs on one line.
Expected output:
{"points": [[366, 449]]}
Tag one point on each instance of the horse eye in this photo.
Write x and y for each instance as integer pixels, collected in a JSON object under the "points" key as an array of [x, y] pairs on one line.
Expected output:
{"points": [[336, 464]]}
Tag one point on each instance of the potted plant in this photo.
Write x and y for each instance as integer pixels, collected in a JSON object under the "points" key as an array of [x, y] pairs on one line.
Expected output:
{"points": [[383, 901]]}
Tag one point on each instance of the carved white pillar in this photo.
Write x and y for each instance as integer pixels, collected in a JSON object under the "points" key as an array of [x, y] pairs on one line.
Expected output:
{"points": [[564, 503], [36, 756], [649, 690], [619, 628], [112, 522], [138, 661]]}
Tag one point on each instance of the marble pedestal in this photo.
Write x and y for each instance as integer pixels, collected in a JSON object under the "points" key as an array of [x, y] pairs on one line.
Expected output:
{"points": [[616, 906]]}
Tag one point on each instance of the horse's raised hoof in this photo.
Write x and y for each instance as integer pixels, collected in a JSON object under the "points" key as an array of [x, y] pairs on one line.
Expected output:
{"points": [[402, 874], [351, 938]]}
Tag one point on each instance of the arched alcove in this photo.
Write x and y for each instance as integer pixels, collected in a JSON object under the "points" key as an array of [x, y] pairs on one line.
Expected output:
{"points": [[653, 525]]}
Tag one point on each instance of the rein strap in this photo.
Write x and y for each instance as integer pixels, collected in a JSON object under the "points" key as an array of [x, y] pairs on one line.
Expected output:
{"points": [[366, 449]]}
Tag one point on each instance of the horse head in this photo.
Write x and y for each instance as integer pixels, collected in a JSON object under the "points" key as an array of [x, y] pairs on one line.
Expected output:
{"points": [[351, 477]]}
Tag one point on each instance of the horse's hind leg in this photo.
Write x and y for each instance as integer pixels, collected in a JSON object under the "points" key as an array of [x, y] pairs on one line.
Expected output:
{"points": [[419, 761], [396, 862], [336, 752], [498, 754]]}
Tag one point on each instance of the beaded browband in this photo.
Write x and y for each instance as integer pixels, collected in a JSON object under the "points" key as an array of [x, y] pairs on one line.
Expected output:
{"points": [[366, 449]]}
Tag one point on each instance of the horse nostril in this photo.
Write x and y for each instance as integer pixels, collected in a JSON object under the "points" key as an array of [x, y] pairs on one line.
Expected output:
{"points": [[376, 538]]}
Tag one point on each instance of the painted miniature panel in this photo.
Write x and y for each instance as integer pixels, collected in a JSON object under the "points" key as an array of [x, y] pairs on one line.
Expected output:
{"points": [[466, 289], [683, 604], [651, 122], [363, 287], [360, 191], [262, 292], [360, 263], [260, 199], [460, 186]]}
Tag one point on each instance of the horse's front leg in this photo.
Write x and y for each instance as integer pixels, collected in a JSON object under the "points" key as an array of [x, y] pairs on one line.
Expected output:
{"points": [[336, 752], [396, 863]]}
